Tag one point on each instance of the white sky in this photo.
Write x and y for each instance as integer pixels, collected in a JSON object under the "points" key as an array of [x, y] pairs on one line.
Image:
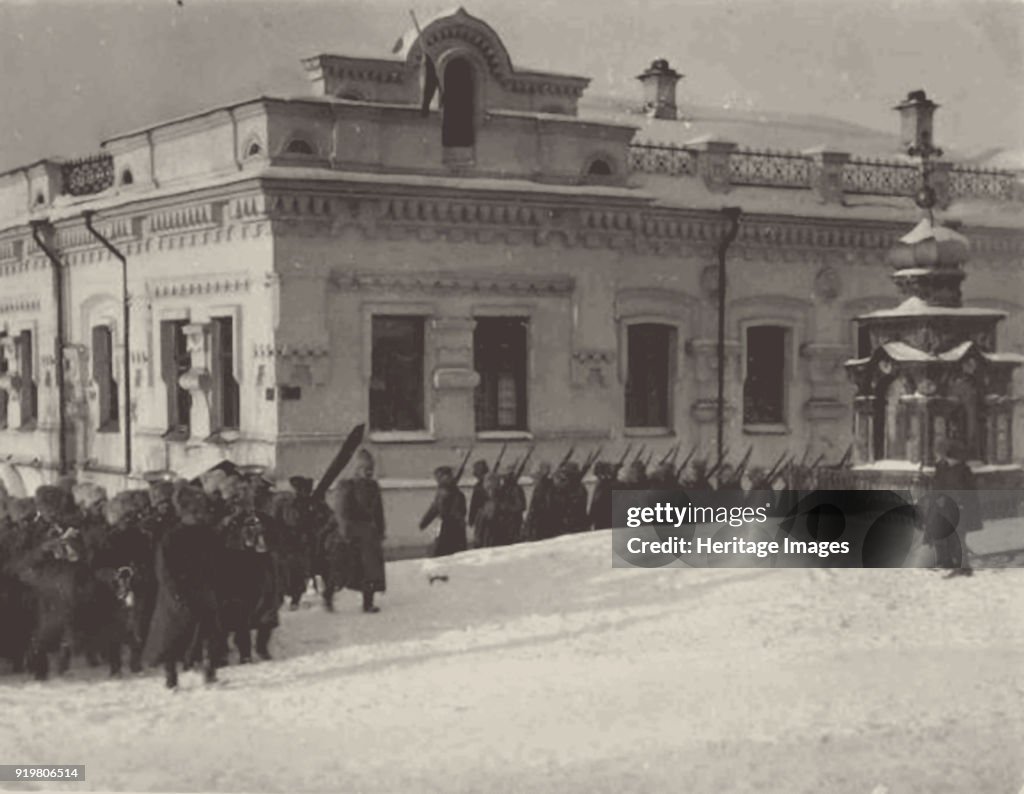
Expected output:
{"points": [[74, 72]]}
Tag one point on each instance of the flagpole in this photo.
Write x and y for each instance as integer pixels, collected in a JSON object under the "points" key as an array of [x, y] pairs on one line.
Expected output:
{"points": [[423, 52]]}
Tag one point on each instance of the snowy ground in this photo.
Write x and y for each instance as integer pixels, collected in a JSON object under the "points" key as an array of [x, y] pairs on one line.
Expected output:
{"points": [[540, 668]]}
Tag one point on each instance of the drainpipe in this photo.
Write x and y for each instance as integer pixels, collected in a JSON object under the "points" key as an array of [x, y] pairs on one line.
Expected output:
{"points": [[38, 227], [126, 323], [732, 214]]}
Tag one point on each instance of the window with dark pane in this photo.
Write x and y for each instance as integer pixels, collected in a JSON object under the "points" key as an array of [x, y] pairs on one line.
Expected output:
{"points": [[499, 357], [225, 397], [396, 378], [4, 371], [648, 379], [764, 390], [28, 393], [103, 376], [175, 362], [457, 125]]}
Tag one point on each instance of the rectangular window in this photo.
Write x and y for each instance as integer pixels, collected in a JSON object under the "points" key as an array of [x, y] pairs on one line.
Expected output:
{"points": [[175, 362], [4, 370], [396, 378], [649, 375], [103, 377], [28, 393], [225, 402], [499, 357], [764, 390]]}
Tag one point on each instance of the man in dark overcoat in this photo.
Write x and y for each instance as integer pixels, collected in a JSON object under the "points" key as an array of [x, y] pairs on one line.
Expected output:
{"points": [[360, 511], [450, 506], [186, 612]]}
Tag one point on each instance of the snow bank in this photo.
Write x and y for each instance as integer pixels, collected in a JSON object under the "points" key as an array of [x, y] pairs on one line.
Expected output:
{"points": [[541, 668]]}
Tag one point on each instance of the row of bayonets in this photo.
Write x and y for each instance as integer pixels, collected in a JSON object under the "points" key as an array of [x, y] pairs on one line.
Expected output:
{"points": [[785, 461]]}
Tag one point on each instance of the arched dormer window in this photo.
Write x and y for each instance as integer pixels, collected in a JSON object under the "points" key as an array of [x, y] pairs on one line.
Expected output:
{"points": [[40, 199], [254, 150], [458, 129], [126, 177], [299, 146], [599, 168]]}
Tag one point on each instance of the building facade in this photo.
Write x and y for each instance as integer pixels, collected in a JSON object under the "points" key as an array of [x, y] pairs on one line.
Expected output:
{"points": [[510, 268]]}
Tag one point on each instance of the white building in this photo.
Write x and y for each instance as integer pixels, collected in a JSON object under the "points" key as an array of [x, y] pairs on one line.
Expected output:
{"points": [[516, 267]]}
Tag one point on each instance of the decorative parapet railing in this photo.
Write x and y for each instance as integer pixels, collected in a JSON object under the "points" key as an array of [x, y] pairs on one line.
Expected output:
{"points": [[776, 169], [881, 178], [982, 183], [656, 158], [862, 176], [88, 175]]}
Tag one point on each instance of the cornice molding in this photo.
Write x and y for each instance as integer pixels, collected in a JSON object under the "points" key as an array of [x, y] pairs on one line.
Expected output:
{"points": [[212, 284], [406, 213], [534, 285]]}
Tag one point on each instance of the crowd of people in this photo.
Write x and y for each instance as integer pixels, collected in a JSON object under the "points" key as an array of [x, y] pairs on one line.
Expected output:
{"points": [[174, 574]]}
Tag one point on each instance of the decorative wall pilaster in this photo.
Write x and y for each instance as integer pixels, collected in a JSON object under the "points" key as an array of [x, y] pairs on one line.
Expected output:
{"points": [[827, 174], [824, 370], [454, 379], [712, 162], [704, 353]]}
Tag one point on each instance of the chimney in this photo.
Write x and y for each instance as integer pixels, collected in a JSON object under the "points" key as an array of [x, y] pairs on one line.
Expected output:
{"points": [[916, 123], [659, 83]]}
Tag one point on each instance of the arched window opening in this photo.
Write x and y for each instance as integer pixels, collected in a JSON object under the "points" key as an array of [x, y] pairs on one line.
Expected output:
{"points": [[457, 128], [126, 177], [599, 168], [40, 199], [299, 146], [254, 149]]}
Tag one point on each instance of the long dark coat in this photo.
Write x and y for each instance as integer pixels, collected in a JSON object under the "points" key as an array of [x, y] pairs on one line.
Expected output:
{"points": [[450, 506], [538, 516], [248, 582], [360, 512], [186, 604], [600, 515]]}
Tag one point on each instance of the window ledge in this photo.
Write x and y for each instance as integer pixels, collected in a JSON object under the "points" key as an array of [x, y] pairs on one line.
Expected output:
{"points": [[401, 436], [766, 430], [648, 432], [176, 435], [224, 437], [504, 435], [109, 427]]}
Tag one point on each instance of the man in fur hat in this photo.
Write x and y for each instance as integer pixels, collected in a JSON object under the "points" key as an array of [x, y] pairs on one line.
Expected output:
{"points": [[450, 506], [360, 512]]}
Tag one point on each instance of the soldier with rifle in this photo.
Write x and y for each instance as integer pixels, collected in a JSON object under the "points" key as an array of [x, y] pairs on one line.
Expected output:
{"points": [[539, 516], [450, 506]]}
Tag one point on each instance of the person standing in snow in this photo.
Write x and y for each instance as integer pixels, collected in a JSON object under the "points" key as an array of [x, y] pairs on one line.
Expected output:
{"points": [[600, 515], [478, 499], [538, 517], [360, 512], [450, 506], [186, 605], [951, 510]]}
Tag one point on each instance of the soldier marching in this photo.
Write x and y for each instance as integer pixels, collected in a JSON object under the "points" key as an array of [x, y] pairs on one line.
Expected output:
{"points": [[182, 574]]}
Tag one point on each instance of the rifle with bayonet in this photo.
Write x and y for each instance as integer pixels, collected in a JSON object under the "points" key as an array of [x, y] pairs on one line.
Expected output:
{"points": [[462, 466], [568, 456], [686, 460], [591, 460], [501, 454]]}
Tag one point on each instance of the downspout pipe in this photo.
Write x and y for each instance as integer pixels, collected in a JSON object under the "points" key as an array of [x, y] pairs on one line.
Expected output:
{"points": [[39, 227], [732, 214], [126, 323]]}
